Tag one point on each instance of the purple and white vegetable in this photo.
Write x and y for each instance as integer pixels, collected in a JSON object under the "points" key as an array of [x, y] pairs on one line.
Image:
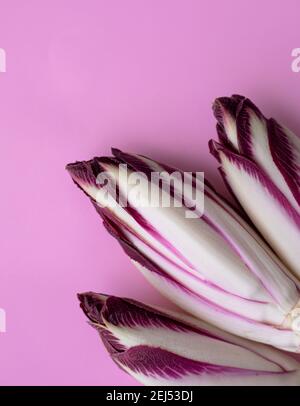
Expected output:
{"points": [[159, 347], [260, 162], [213, 265]]}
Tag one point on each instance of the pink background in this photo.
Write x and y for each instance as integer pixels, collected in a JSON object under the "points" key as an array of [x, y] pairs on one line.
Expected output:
{"points": [[86, 75]]}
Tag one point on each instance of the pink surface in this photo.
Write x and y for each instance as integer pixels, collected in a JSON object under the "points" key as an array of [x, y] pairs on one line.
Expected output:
{"points": [[86, 75]]}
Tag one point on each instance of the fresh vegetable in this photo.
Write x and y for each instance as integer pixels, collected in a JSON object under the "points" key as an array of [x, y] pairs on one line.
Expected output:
{"points": [[159, 347], [213, 264], [260, 162]]}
